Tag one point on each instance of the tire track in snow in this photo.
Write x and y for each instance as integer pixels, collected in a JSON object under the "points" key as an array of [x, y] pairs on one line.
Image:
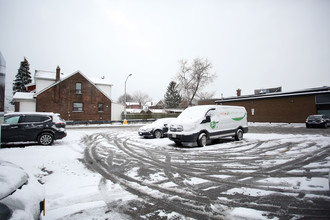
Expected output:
{"points": [[158, 195], [243, 164]]}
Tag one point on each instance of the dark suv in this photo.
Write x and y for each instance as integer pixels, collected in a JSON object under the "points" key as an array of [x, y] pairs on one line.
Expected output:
{"points": [[39, 127], [317, 121]]}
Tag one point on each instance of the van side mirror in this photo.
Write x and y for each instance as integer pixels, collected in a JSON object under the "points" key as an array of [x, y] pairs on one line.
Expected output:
{"points": [[207, 119]]}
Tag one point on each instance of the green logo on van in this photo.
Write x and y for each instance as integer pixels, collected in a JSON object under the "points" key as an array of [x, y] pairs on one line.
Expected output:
{"points": [[212, 124], [239, 118]]}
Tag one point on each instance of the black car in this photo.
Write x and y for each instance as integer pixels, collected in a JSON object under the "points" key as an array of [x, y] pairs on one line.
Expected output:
{"points": [[317, 121], [39, 127]]}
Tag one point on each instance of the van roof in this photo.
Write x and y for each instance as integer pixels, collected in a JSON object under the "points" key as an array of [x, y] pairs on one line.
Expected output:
{"points": [[215, 106]]}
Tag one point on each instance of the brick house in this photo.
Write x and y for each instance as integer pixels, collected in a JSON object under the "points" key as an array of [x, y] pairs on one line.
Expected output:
{"points": [[75, 97]]}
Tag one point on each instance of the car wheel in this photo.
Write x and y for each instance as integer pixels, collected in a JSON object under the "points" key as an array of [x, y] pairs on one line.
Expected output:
{"points": [[46, 139], [5, 212], [178, 143], [202, 140], [239, 134], [158, 134]]}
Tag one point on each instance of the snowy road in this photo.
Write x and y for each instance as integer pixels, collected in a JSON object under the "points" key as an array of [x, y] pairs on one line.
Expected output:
{"points": [[266, 175], [276, 172]]}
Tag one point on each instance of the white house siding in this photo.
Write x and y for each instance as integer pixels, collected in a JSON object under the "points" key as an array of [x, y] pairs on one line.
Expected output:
{"points": [[43, 83], [27, 106], [106, 89], [116, 110]]}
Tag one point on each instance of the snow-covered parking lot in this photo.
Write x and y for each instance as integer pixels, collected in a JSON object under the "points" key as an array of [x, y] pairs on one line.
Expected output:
{"points": [[112, 173]]}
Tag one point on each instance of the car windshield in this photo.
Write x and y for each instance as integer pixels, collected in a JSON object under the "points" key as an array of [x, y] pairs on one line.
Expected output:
{"points": [[160, 121], [193, 112], [314, 117]]}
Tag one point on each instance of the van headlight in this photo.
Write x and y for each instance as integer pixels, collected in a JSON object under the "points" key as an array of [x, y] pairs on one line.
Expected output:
{"points": [[176, 128]]}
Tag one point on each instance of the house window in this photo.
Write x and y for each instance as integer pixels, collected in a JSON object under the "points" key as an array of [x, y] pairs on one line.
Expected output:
{"points": [[77, 107], [100, 107], [78, 88]]}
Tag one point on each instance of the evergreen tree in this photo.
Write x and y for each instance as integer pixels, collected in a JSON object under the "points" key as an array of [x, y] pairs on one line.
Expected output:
{"points": [[23, 77], [172, 96]]}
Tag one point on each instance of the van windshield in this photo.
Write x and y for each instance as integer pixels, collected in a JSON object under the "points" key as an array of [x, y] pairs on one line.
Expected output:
{"points": [[193, 112]]}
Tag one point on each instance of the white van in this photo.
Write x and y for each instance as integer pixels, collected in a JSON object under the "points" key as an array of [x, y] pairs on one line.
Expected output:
{"points": [[204, 122]]}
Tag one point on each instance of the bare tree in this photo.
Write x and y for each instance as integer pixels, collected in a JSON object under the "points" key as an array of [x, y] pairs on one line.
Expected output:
{"points": [[193, 78], [205, 95], [121, 99], [141, 98]]}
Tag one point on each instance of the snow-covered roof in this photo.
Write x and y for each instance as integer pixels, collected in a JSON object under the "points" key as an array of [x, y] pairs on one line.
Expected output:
{"points": [[23, 95], [100, 81], [130, 110], [49, 75], [311, 91], [132, 103], [153, 103], [42, 74], [30, 84], [157, 110]]}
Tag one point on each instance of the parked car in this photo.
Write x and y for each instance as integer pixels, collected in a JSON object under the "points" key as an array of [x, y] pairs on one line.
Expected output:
{"points": [[39, 127], [208, 122], [21, 195], [157, 129], [317, 121]]}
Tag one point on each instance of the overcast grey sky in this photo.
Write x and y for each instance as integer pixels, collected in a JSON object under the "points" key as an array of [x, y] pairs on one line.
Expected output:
{"points": [[251, 44]]}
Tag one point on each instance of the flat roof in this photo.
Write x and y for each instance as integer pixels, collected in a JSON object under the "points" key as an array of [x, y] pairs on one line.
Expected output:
{"points": [[312, 91]]}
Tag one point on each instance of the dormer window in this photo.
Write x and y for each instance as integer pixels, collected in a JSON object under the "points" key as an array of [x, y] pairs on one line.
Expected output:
{"points": [[78, 88]]}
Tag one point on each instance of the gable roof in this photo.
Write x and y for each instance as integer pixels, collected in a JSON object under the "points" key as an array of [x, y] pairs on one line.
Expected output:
{"points": [[54, 84], [154, 103], [50, 75]]}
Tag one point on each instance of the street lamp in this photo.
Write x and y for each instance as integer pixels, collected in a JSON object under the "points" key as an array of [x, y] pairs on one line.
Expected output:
{"points": [[125, 121]]}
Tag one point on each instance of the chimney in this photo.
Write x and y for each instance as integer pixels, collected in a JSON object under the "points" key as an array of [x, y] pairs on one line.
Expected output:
{"points": [[238, 92], [58, 70]]}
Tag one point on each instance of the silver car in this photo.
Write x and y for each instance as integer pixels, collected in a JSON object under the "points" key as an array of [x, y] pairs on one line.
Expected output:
{"points": [[157, 129]]}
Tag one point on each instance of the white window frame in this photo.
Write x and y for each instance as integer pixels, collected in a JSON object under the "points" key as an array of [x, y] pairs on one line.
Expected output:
{"points": [[78, 107], [78, 88]]}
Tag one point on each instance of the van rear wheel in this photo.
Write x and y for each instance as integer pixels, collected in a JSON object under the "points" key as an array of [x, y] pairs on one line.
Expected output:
{"points": [[202, 140], [239, 134]]}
